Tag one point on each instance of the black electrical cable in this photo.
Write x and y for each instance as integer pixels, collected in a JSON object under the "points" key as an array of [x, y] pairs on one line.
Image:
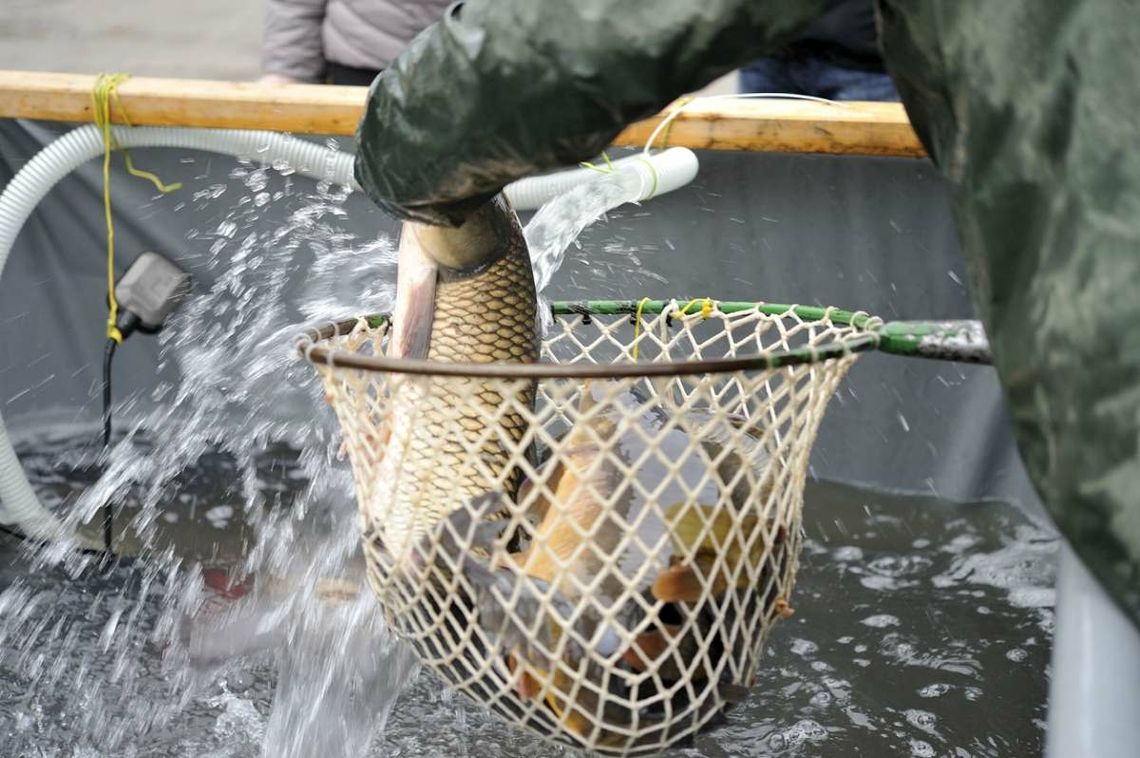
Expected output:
{"points": [[108, 510], [128, 322]]}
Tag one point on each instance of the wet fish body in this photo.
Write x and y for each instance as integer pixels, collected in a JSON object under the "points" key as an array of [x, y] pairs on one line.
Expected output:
{"points": [[439, 451]]}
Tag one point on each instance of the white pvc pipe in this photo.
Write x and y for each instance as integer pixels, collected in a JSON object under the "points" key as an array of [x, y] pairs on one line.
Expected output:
{"points": [[18, 502], [1094, 689], [661, 173]]}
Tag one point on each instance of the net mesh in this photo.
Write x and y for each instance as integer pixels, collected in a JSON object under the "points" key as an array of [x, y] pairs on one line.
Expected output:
{"points": [[599, 559]]}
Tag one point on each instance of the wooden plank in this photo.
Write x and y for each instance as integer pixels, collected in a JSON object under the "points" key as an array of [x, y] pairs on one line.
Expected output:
{"points": [[302, 108], [758, 125], [793, 126]]}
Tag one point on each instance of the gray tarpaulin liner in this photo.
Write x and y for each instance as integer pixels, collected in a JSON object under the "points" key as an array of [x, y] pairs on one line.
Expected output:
{"points": [[862, 233]]}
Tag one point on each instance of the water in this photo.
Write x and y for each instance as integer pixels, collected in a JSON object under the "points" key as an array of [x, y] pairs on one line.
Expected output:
{"points": [[921, 628], [229, 474], [557, 224]]}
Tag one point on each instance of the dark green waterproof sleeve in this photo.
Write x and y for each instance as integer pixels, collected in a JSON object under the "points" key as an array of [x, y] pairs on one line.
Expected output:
{"points": [[500, 89], [1030, 109]]}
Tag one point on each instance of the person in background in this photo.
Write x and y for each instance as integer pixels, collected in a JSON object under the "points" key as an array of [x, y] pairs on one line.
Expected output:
{"points": [[838, 57], [339, 41]]}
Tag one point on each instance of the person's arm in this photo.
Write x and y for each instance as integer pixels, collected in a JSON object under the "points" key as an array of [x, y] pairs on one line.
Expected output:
{"points": [[500, 89], [291, 48]]}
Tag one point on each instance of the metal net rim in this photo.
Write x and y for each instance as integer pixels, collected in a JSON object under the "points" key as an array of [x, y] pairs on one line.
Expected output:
{"points": [[310, 345]]}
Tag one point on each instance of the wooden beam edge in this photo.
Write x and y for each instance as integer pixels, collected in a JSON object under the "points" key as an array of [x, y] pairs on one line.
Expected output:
{"points": [[749, 125]]}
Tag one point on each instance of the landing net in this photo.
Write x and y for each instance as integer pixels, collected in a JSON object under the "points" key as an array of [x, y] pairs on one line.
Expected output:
{"points": [[595, 546]]}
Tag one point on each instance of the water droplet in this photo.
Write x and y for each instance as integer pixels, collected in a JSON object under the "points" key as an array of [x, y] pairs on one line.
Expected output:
{"points": [[803, 647], [257, 180], [924, 720], [821, 699], [934, 690], [921, 749]]}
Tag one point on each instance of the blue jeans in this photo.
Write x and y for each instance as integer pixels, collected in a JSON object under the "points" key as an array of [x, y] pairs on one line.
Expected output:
{"points": [[817, 77]]}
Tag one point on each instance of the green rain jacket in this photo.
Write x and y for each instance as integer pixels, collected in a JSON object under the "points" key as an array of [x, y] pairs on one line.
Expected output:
{"points": [[1031, 108]]}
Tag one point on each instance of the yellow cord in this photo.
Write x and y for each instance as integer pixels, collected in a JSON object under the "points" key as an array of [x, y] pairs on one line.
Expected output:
{"points": [[606, 169], [653, 172], [637, 326], [672, 117], [104, 91], [609, 168], [707, 306]]}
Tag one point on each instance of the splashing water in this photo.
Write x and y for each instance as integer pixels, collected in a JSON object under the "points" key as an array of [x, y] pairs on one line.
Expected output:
{"points": [[557, 224], [242, 392], [259, 587]]}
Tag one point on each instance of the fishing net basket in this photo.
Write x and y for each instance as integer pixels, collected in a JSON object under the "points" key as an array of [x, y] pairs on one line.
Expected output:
{"points": [[593, 546]]}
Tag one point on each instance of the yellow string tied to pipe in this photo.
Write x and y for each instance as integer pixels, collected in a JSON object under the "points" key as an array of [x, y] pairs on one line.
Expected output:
{"points": [[606, 169], [675, 111], [102, 94], [637, 326], [609, 168], [708, 305]]}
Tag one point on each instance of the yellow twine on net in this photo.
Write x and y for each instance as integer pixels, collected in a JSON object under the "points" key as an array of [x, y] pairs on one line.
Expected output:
{"points": [[637, 326], [102, 94], [707, 306]]}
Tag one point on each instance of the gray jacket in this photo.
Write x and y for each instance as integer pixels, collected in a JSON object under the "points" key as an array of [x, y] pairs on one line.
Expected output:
{"points": [[300, 36]]}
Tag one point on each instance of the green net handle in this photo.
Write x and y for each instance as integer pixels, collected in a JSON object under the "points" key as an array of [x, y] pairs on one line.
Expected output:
{"points": [[962, 341]]}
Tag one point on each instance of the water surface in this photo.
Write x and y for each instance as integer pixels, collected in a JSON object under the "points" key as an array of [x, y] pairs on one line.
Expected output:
{"points": [[921, 628]]}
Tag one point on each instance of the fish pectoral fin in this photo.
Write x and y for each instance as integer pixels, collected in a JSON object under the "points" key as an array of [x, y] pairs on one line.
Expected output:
{"points": [[416, 275]]}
